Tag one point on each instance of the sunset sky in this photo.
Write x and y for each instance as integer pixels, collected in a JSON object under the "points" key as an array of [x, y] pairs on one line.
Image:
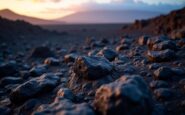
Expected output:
{"points": [[51, 9]]}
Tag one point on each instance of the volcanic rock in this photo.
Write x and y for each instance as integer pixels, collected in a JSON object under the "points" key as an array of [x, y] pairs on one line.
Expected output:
{"points": [[51, 61], [65, 93], [163, 73], [164, 45], [128, 95], [34, 87], [159, 56], [108, 53], [41, 52], [63, 106], [92, 68]]}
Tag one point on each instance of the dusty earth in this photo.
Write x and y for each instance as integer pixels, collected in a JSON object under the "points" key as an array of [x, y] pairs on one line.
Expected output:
{"points": [[109, 72]]}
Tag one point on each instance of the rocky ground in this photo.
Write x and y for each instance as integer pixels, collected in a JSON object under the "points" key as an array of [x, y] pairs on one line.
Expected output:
{"points": [[124, 75], [119, 76]]}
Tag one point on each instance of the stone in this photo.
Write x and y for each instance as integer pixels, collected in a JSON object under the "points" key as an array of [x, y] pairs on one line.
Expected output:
{"points": [[122, 47], [8, 69], [108, 53], [92, 52], [66, 93], [178, 71], [164, 45], [34, 87], [158, 84], [38, 70], [41, 52], [29, 106], [163, 93], [163, 73], [52, 61], [126, 40], [129, 95], [153, 66], [92, 68], [160, 56], [142, 40], [62, 106], [10, 80], [70, 57], [155, 40]]}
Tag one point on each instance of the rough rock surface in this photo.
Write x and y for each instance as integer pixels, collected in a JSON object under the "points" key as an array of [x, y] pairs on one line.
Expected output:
{"points": [[128, 95], [41, 52], [108, 53], [63, 106], [34, 87], [92, 68], [159, 56]]}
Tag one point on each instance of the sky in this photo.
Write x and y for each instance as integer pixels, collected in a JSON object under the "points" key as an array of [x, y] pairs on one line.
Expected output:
{"points": [[51, 9]]}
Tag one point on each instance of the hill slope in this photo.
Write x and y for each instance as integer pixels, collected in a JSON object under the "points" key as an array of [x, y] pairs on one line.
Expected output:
{"points": [[108, 16], [164, 24], [6, 13], [20, 29]]}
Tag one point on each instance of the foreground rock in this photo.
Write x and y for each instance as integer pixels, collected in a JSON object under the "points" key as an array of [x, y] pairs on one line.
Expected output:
{"points": [[38, 70], [34, 87], [128, 95], [159, 56], [63, 106], [164, 45], [52, 61], [70, 57], [108, 53], [41, 52], [92, 68], [163, 73]]}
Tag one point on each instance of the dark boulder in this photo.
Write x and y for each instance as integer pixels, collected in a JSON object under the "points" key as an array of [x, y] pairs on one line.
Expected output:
{"points": [[34, 87], [128, 95], [51, 61], [62, 106], [159, 56], [163, 73], [92, 68], [10, 80], [108, 53], [122, 47], [158, 84], [163, 93], [155, 40], [65, 93], [29, 106], [41, 52], [70, 57], [38, 70], [164, 45]]}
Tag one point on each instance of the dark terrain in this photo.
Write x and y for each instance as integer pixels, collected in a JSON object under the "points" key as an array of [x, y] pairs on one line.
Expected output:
{"points": [[100, 69]]}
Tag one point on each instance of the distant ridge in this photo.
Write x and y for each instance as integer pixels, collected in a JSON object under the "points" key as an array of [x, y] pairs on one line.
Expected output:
{"points": [[163, 24], [108, 16], [6, 13]]}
